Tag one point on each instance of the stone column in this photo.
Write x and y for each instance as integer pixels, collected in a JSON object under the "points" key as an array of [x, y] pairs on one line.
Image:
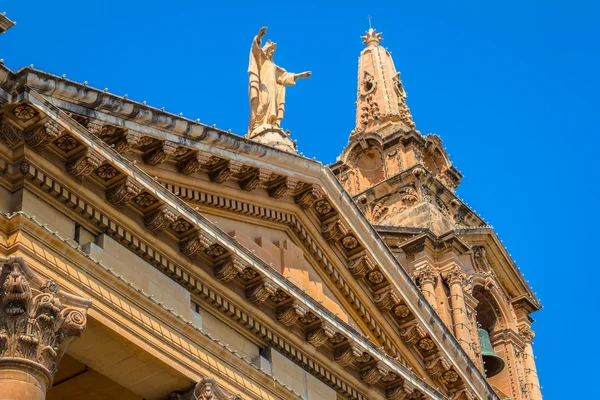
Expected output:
{"points": [[38, 322], [426, 277], [531, 376], [455, 278]]}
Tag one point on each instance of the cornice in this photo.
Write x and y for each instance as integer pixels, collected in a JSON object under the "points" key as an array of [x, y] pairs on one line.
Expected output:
{"points": [[103, 304], [344, 206], [5, 23]]}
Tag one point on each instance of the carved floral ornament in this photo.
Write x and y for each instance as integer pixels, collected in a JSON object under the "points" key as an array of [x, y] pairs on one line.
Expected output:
{"points": [[37, 320]]}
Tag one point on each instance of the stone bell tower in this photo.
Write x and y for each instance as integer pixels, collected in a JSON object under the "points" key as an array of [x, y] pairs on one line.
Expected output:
{"points": [[404, 183]]}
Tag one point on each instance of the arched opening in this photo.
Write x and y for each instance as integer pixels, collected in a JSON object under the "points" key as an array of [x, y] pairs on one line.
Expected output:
{"points": [[489, 320]]}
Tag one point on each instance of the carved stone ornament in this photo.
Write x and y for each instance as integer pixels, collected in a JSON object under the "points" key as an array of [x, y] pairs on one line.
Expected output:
{"points": [[307, 197], [229, 269], [251, 179], [281, 186], [374, 373], [426, 344], [386, 299], [349, 242], [320, 334], [454, 275], [24, 112], [181, 226], [206, 389], [261, 291], [85, 163], [347, 355], [436, 365], [288, 315], [66, 143], [402, 311], [279, 296], [323, 207], [334, 229], [122, 192], [160, 219], [145, 200], [158, 153], [107, 172], [9, 134], [128, 141], [526, 333], [39, 137], [224, 171], [404, 391], [215, 251], [38, 321], [425, 274], [360, 264], [462, 393], [412, 334], [193, 245], [375, 277]]}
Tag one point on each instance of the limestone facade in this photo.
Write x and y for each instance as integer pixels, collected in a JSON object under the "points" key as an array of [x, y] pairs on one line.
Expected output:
{"points": [[147, 256]]}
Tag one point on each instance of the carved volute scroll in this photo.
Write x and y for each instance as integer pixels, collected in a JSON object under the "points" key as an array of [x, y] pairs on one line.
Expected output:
{"points": [[38, 322]]}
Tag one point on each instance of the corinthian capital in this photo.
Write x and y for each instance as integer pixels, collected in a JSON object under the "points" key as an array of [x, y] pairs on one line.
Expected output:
{"points": [[526, 333], [454, 275], [425, 274], [38, 321]]}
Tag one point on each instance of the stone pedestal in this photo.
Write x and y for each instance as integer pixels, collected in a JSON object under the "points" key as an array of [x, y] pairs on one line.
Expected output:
{"points": [[273, 136]]}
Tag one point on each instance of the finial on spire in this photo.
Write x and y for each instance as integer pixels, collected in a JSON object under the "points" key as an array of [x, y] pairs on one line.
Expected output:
{"points": [[370, 27], [372, 37]]}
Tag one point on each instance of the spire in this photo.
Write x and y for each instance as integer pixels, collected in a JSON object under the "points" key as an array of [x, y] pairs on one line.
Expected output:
{"points": [[381, 101]]}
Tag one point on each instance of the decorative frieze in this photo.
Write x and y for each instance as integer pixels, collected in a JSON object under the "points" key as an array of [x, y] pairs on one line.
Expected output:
{"points": [[84, 164], [160, 219], [122, 192]]}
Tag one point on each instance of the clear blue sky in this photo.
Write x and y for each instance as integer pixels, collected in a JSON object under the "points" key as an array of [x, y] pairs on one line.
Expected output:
{"points": [[511, 87]]}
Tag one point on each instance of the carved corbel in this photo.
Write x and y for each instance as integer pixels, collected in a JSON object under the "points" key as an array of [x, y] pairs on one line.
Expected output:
{"points": [[436, 366], [526, 333], [159, 220], [462, 393], [85, 163], [224, 170], [198, 242], [308, 196], [122, 192], [127, 141], [279, 187], [38, 138], [261, 291], [386, 299], [360, 265], [206, 389], [373, 373], [320, 334], [333, 229], [404, 391], [347, 354], [288, 315], [253, 178], [9, 134], [39, 321], [412, 334], [229, 269], [157, 154]]}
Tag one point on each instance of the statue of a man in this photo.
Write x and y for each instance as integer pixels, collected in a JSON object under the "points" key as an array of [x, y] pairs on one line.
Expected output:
{"points": [[267, 85]]}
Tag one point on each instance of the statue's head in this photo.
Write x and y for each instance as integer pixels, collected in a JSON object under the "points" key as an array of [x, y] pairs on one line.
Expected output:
{"points": [[269, 49]]}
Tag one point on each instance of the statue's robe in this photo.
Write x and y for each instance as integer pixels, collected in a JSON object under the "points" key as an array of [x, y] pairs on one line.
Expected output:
{"points": [[266, 88]]}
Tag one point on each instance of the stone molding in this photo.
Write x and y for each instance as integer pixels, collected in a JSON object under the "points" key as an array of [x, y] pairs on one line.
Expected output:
{"points": [[207, 389]]}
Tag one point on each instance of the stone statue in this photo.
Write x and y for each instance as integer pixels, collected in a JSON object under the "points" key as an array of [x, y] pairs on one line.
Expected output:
{"points": [[267, 83]]}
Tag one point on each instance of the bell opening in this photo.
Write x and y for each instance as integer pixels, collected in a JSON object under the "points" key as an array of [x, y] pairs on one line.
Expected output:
{"points": [[492, 362]]}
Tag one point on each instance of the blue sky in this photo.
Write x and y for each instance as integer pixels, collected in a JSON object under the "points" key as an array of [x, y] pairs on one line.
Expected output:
{"points": [[511, 87]]}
